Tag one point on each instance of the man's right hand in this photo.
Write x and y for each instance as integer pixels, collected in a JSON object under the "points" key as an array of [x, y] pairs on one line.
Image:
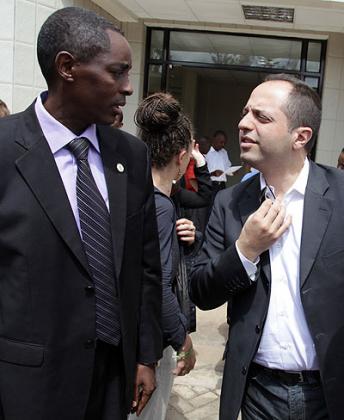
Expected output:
{"points": [[263, 228]]}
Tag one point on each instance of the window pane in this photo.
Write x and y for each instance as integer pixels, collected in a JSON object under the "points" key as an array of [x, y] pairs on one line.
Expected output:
{"points": [[154, 78], [313, 82], [313, 56], [235, 50], [157, 45]]}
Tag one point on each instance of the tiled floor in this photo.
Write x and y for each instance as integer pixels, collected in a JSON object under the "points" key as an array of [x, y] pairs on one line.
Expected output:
{"points": [[196, 396]]}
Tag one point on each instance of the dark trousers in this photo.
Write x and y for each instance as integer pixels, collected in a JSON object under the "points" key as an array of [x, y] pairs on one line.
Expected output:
{"points": [[270, 397], [106, 399]]}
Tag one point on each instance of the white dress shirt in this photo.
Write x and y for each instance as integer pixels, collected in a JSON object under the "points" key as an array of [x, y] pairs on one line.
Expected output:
{"points": [[218, 160], [58, 136], [286, 342]]}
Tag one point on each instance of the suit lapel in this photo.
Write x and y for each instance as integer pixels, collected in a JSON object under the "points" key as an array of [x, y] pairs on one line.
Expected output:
{"points": [[316, 215], [37, 166], [248, 204], [115, 171]]}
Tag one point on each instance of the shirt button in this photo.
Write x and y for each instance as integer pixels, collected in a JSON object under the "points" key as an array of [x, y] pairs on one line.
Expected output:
{"points": [[257, 329], [244, 370]]}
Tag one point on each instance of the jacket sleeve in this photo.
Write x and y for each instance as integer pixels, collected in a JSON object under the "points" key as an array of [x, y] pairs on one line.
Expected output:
{"points": [[201, 198], [150, 331], [218, 272], [174, 323]]}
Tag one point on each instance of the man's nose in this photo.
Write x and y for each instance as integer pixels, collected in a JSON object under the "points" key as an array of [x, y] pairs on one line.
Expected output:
{"points": [[127, 88], [245, 123]]}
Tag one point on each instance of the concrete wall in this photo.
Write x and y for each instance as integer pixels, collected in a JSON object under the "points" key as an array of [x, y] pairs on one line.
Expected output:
{"points": [[136, 35], [331, 138]]}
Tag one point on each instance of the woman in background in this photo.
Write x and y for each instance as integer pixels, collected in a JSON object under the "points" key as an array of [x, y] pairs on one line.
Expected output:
{"points": [[168, 135]]}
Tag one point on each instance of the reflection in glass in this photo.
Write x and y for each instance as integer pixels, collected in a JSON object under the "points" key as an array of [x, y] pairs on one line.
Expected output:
{"points": [[235, 50], [313, 82], [157, 45], [154, 78], [313, 56]]}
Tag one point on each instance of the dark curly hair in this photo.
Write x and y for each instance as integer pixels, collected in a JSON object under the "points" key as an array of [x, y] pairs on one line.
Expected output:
{"points": [[163, 127]]}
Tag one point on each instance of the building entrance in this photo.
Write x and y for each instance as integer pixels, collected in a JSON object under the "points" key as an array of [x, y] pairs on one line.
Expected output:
{"points": [[212, 74]]}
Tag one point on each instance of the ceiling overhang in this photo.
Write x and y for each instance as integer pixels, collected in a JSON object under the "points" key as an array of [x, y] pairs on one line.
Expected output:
{"points": [[308, 15]]}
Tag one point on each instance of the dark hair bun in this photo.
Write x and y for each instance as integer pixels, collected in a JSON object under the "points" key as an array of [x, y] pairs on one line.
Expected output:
{"points": [[158, 112]]}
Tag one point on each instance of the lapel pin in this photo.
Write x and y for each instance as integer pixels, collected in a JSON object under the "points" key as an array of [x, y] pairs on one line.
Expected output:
{"points": [[120, 167]]}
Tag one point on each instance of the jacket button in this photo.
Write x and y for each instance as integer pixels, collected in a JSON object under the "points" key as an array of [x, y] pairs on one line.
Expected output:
{"points": [[89, 290], [257, 329], [244, 370], [89, 344]]}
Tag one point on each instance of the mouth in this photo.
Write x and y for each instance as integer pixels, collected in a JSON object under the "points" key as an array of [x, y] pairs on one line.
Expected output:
{"points": [[246, 143], [117, 107], [247, 140]]}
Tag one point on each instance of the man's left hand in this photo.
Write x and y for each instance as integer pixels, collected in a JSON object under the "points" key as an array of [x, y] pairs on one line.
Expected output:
{"points": [[144, 387]]}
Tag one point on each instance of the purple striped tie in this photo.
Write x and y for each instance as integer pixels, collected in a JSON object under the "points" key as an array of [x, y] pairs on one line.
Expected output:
{"points": [[96, 236]]}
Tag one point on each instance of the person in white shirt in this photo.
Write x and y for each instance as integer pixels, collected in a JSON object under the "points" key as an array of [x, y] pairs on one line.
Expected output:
{"points": [[218, 161], [274, 249]]}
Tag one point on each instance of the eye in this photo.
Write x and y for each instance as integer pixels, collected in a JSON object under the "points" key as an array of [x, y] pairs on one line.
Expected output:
{"points": [[263, 118], [117, 73]]}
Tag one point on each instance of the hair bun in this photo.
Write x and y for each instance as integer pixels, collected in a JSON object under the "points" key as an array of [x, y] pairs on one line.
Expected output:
{"points": [[158, 112]]}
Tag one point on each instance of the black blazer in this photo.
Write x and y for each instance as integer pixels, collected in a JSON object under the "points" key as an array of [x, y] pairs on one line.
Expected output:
{"points": [[47, 310], [218, 276]]}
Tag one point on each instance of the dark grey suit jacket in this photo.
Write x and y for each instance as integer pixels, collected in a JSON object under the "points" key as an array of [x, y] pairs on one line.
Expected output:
{"points": [[47, 309], [219, 276]]}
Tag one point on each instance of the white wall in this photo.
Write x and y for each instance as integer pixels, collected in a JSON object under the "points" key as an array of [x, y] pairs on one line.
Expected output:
{"points": [[136, 36], [331, 137]]}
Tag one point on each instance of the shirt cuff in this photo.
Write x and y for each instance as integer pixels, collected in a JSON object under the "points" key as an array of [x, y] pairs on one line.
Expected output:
{"points": [[249, 266]]}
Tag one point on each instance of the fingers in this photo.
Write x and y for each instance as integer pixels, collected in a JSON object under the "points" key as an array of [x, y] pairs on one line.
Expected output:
{"points": [[183, 221], [183, 367], [185, 230], [143, 401], [284, 226], [263, 228], [145, 392], [275, 220]]}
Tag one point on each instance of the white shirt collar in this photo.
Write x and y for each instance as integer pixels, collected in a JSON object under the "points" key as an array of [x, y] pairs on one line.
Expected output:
{"points": [[298, 186], [57, 135]]}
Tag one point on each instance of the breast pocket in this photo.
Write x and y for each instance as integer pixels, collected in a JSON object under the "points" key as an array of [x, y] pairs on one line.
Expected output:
{"points": [[20, 353], [334, 258]]}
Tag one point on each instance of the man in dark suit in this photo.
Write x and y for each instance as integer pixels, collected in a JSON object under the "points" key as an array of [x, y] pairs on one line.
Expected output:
{"points": [[80, 288], [274, 247]]}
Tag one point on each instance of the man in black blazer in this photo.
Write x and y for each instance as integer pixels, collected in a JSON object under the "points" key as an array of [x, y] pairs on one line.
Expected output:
{"points": [[54, 360], [274, 248]]}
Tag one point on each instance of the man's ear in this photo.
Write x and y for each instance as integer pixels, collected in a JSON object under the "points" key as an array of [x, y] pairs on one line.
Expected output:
{"points": [[64, 62], [302, 137]]}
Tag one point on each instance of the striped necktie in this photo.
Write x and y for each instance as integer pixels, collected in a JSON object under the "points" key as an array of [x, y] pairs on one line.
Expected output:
{"points": [[96, 236]]}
